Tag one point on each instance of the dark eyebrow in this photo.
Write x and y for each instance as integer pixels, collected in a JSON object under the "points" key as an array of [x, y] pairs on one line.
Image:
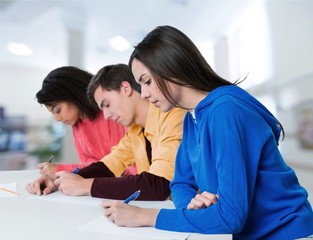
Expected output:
{"points": [[140, 78], [53, 107]]}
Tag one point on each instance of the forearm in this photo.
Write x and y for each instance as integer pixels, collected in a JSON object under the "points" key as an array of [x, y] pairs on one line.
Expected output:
{"points": [[152, 187], [147, 217]]}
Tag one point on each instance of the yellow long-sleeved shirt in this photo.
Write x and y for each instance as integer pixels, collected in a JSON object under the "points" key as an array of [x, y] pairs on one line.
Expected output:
{"points": [[164, 132]]}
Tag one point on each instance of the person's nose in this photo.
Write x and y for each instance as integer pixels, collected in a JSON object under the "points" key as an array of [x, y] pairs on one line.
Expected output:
{"points": [[144, 93], [107, 114], [58, 118]]}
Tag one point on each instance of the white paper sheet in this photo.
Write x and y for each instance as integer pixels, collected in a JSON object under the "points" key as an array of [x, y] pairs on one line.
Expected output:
{"points": [[91, 201], [60, 197], [8, 190], [103, 225]]}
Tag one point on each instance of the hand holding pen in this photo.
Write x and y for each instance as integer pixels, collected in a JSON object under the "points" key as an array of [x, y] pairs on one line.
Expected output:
{"points": [[48, 168], [126, 215]]}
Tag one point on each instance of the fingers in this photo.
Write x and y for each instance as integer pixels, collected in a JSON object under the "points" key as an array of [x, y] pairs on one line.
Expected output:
{"points": [[109, 209], [48, 169], [43, 168], [37, 187], [106, 204], [126, 215], [209, 198], [202, 200], [34, 187], [62, 174], [50, 186], [72, 184], [43, 185], [59, 177], [43, 171], [196, 204], [48, 190]]}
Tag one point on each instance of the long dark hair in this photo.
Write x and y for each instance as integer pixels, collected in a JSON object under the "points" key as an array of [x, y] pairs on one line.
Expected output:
{"points": [[170, 55], [68, 84]]}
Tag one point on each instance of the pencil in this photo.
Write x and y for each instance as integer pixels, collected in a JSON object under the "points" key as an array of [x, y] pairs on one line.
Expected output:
{"points": [[50, 159], [9, 191]]}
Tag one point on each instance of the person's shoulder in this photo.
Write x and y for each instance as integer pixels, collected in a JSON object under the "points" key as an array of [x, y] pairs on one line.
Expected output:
{"points": [[134, 129], [175, 113]]}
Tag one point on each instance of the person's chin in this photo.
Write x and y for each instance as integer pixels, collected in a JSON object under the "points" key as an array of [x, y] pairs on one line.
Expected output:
{"points": [[122, 122], [165, 108], [71, 124]]}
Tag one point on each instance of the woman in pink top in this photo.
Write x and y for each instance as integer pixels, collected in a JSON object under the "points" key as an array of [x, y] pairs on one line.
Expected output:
{"points": [[64, 94]]}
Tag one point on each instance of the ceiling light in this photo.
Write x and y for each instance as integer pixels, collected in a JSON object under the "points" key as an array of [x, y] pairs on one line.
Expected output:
{"points": [[119, 43], [19, 49]]}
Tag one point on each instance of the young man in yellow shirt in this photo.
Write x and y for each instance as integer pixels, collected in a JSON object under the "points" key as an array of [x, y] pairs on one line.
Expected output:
{"points": [[151, 143]]}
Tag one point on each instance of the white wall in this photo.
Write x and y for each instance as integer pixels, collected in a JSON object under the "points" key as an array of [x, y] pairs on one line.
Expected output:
{"points": [[18, 88], [292, 81], [285, 64], [19, 85], [273, 44], [292, 50]]}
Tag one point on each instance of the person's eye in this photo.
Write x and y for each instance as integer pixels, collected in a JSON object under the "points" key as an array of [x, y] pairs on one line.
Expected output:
{"points": [[148, 82], [104, 105], [57, 110]]}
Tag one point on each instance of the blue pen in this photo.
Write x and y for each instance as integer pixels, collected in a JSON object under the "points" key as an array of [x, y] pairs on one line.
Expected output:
{"points": [[75, 170], [132, 197]]}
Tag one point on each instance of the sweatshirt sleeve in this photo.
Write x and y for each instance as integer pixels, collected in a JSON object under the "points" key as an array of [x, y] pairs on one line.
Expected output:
{"points": [[106, 185], [183, 191], [152, 187], [95, 170]]}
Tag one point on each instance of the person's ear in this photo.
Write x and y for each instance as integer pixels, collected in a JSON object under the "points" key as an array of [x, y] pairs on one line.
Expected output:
{"points": [[125, 88]]}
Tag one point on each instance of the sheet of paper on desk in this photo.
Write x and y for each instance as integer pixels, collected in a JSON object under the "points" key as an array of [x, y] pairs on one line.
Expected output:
{"points": [[103, 225], [8, 190], [91, 201], [60, 197]]}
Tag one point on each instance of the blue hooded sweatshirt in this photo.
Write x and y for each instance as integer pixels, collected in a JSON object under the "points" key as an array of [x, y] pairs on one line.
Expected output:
{"points": [[231, 149]]}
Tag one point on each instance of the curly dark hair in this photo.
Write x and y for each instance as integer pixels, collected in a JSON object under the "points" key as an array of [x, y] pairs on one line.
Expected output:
{"points": [[68, 84]]}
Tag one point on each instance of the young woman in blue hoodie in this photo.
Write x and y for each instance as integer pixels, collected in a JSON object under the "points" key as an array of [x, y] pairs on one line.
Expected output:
{"points": [[230, 177]]}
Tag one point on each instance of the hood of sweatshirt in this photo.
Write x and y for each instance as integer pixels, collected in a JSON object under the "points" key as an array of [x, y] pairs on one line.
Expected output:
{"points": [[242, 97]]}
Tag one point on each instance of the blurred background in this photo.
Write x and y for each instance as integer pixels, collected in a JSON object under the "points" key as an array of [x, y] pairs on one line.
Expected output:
{"points": [[271, 41]]}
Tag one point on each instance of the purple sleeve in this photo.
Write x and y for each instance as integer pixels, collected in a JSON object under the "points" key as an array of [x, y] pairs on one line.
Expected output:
{"points": [[95, 170], [152, 187]]}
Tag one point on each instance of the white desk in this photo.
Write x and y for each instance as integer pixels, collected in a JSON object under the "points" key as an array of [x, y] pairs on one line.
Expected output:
{"points": [[23, 217]]}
